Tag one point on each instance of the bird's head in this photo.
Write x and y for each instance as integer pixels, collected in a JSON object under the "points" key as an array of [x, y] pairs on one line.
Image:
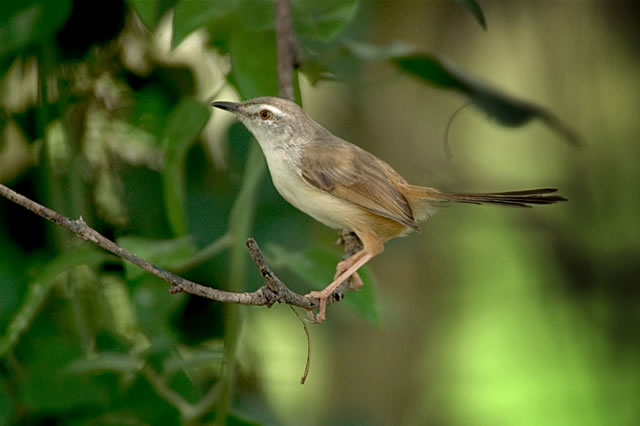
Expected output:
{"points": [[272, 121]]}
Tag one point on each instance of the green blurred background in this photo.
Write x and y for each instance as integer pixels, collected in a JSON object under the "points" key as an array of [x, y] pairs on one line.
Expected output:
{"points": [[489, 316]]}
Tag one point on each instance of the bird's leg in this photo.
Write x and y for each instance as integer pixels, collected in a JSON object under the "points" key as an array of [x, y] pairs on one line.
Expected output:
{"points": [[343, 266], [356, 261]]}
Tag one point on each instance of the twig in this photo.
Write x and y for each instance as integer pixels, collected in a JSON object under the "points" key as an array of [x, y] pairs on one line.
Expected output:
{"points": [[306, 331], [282, 293], [163, 390], [286, 49], [274, 291]]}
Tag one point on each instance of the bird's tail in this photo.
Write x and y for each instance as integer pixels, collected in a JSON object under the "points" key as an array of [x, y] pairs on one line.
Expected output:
{"points": [[526, 198]]}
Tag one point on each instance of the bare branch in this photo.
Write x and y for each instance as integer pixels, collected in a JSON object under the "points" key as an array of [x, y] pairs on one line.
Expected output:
{"points": [[274, 291], [286, 49]]}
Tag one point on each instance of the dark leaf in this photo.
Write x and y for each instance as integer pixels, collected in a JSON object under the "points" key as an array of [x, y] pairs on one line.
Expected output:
{"points": [[438, 72], [24, 22], [41, 285], [48, 387], [473, 7], [322, 20], [150, 11], [254, 66], [256, 15], [183, 126], [192, 15]]}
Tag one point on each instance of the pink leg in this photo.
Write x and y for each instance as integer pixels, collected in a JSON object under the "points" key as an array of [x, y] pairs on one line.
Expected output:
{"points": [[343, 266], [357, 261]]}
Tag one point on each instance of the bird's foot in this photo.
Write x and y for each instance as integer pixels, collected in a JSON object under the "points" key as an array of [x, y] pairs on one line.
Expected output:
{"points": [[322, 296], [356, 281]]}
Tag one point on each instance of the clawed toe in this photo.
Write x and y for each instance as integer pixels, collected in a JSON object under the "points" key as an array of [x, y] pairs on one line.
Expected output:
{"points": [[322, 310]]}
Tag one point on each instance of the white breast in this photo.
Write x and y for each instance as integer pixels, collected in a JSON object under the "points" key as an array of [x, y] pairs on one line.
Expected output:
{"points": [[324, 207]]}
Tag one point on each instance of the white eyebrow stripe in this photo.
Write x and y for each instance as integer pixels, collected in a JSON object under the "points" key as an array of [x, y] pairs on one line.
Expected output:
{"points": [[273, 109]]}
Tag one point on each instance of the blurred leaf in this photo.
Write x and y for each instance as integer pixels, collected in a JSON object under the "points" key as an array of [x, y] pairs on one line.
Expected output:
{"points": [[240, 419], [317, 266], [312, 19], [242, 213], [184, 124], [150, 11], [47, 386], [155, 310], [371, 52], [7, 409], [191, 15], [12, 279], [322, 20], [205, 356], [254, 65], [164, 253], [39, 289], [24, 22], [106, 361], [256, 15], [473, 7], [150, 110], [438, 72], [240, 224]]}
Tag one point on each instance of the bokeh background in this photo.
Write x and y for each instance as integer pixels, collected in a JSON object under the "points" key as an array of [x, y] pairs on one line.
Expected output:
{"points": [[489, 316]]}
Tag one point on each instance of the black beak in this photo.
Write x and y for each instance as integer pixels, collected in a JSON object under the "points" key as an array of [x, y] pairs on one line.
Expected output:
{"points": [[227, 106]]}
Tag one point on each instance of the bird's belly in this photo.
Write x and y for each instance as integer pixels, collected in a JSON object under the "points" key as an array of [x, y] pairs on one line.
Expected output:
{"points": [[325, 208]]}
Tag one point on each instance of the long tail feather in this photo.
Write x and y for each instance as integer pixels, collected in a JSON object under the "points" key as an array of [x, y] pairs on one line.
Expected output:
{"points": [[525, 198]]}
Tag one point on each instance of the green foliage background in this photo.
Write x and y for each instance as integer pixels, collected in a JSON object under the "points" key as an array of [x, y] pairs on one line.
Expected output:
{"points": [[489, 316]]}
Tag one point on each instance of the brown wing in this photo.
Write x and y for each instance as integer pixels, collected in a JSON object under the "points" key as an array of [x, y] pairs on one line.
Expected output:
{"points": [[352, 174]]}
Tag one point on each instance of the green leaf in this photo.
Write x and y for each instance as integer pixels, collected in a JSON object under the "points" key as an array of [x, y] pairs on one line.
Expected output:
{"points": [[322, 20], [241, 419], [46, 385], [508, 110], [256, 15], [210, 354], [242, 213], [106, 361], [7, 408], [25, 22], [254, 63], [473, 7], [438, 72], [164, 253], [184, 124], [240, 224], [39, 290], [317, 266], [191, 15], [150, 11]]}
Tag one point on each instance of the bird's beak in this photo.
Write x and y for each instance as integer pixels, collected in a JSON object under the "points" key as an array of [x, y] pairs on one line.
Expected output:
{"points": [[227, 106]]}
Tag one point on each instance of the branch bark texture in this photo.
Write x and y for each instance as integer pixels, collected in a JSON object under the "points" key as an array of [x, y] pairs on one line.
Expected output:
{"points": [[286, 49], [274, 290]]}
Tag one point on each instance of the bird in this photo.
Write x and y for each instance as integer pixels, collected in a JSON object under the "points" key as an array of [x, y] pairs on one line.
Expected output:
{"points": [[347, 188]]}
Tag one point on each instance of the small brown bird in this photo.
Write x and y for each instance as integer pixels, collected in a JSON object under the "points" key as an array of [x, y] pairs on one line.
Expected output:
{"points": [[346, 187]]}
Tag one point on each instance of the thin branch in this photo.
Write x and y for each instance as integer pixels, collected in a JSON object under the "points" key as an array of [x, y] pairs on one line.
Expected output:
{"points": [[307, 366], [286, 49], [163, 390], [274, 291]]}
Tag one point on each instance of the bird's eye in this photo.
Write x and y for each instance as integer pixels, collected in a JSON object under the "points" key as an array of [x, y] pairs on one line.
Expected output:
{"points": [[265, 114]]}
